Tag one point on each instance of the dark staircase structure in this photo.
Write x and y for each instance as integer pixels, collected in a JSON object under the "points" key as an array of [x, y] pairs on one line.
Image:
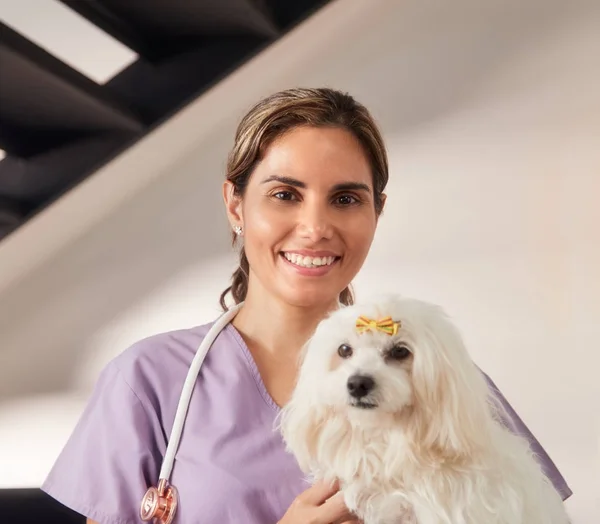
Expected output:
{"points": [[58, 126]]}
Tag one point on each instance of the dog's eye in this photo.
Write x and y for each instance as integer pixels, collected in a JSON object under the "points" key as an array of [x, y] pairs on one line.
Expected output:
{"points": [[345, 351], [399, 352]]}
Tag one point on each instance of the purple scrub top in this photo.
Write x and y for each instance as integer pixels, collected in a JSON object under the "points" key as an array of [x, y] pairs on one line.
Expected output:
{"points": [[231, 466]]}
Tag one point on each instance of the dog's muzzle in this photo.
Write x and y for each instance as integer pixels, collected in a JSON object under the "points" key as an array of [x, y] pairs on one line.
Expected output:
{"points": [[359, 386]]}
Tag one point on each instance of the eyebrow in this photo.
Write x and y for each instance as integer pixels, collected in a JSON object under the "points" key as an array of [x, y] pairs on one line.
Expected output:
{"points": [[344, 186]]}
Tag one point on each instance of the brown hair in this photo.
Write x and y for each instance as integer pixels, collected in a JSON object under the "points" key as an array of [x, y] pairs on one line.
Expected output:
{"points": [[281, 112]]}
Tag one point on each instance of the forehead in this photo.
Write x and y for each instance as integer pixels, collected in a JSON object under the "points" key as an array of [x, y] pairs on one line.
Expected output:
{"points": [[415, 319], [341, 327], [314, 154]]}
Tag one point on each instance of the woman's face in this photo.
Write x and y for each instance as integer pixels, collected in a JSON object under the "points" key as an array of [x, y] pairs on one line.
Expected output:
{"points": [[308, 216]]}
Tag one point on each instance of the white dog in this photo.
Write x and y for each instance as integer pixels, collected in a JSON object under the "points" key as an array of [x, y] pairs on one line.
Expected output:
{"points": [[389, 402]]}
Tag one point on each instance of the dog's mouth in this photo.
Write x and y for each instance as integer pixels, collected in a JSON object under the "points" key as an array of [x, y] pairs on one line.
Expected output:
{"points": [[363, 404]]}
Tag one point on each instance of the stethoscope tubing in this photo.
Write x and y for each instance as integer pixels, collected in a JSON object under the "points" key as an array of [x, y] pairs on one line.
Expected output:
{"points": [[188, 387]]}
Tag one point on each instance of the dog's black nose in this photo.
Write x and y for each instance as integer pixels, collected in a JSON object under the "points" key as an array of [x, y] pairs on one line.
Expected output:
{"points": [[360, 385]]}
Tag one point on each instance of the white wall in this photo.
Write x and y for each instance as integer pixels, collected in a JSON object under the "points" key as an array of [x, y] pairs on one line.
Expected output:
{"points": [[492, 118]]}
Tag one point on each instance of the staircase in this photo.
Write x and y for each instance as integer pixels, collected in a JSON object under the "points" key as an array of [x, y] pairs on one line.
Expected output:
{"points": [[59, 123]]}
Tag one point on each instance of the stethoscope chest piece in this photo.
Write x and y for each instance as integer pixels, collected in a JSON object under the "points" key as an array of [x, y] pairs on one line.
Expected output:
{"points": [[159, 504]]}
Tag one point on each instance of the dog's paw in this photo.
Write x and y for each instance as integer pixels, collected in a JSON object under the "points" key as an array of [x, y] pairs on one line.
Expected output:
{"points": [[351, 499], [378, 508]]}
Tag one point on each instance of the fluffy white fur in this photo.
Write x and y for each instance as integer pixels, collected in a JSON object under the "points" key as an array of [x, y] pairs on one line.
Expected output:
{"points": [[432, 451]]}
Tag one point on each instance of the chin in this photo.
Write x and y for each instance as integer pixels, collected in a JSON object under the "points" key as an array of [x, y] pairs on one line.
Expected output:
{"points": [[399, 414], [310, 296]]}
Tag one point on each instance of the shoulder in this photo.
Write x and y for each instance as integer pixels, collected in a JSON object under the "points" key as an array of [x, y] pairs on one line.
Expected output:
{"points": [[155, 367], [513, 422], [124, 428], [158, 356]]}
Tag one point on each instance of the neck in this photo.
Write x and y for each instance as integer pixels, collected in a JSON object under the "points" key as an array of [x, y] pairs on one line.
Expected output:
{"points": [[277, 328]]}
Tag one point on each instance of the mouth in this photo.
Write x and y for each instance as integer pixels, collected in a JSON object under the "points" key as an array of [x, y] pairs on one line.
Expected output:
{"points": [[318, 264], [363, 404]]}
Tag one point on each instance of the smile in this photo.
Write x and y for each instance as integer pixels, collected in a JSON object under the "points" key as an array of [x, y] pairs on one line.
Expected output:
{"points": [[310, 265], [309, 262]]}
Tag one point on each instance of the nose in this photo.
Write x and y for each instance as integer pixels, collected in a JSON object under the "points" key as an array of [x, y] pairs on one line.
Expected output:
{"points": [[360, 385], [315, 223]]}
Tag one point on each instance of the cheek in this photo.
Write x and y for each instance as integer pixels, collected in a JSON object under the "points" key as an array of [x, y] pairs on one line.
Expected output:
{"points": [[396, 389], [335, 362], [332, 382], [335, 388], [261, 226], [358, 234], [320, 377], [264, 231]]}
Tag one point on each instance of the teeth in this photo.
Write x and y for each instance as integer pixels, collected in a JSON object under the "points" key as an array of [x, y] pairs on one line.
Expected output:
{"points": [[303, 261]]}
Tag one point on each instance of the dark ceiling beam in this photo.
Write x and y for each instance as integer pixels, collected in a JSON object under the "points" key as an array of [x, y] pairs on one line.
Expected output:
{"points": [[58, 126], [159, 29], [39, 92], [107, 20]]}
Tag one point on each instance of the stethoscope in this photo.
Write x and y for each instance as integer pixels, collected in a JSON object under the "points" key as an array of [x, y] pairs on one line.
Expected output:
{"points": [[160, 502]]}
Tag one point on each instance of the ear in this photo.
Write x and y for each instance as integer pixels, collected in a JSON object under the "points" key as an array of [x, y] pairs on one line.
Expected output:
{"points": [[233, 204], [300, 422], [383, 201], [302, 418], [451, 417]]}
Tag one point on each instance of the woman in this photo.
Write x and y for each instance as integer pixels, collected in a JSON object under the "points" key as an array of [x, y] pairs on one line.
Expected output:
{"points": [[304, 191]]}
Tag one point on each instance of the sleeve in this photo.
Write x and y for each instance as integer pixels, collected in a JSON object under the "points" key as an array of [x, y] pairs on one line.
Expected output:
{"points": [[513, 422], [112, 456]]}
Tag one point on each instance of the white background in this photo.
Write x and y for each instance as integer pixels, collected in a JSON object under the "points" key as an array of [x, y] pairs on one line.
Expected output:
{"points": [[491, 111]]}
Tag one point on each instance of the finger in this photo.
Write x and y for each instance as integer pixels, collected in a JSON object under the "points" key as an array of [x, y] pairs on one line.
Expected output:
{"points": [[320, 492], [335, 510]]}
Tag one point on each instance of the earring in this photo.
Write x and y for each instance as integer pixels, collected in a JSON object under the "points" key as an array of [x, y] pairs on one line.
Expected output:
{"points": [[238, 230]]}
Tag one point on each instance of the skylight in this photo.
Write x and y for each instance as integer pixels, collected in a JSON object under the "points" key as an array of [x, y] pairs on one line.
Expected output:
{"points": [[68, 36]]}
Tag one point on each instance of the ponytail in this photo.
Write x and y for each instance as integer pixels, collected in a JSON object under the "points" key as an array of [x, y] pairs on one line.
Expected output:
{"points": [[239, 282]]}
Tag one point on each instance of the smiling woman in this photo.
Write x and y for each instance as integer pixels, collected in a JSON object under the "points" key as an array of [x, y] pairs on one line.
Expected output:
{"points": [[319, 169], [303, 193], [320, 211]]}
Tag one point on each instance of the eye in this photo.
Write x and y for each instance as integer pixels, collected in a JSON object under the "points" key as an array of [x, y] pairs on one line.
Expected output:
{"points": [[399, 352], [284, 195], [346, 200], [345, 351]]}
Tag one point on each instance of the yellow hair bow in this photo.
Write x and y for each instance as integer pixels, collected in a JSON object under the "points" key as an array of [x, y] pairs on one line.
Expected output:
{"points": [[385, 325]]}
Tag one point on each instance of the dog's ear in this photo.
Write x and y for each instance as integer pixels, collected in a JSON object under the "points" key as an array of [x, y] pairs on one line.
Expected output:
{"points": [[300, 422], [450, 417]]}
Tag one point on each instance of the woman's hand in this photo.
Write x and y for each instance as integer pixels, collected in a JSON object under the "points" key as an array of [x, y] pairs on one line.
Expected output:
{"points": [[319, 504]]}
